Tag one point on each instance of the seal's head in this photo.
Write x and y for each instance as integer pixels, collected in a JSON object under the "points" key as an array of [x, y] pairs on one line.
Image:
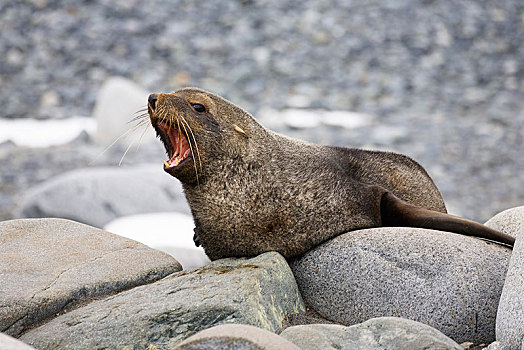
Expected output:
{"points": [[199, 129]]}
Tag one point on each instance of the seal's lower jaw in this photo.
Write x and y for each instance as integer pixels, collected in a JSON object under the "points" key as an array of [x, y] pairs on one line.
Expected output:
{"points": [[173, 169], [177, 147]]}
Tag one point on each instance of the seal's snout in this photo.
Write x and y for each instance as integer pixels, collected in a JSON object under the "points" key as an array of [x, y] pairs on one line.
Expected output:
{"points": [[152, 100]]}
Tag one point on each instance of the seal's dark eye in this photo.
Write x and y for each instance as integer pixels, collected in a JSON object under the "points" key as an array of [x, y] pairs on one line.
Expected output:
{"points": [[198, 107]]}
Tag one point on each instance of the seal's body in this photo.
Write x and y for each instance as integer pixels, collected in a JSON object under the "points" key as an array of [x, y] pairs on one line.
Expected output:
{"points": [[251, 190]]}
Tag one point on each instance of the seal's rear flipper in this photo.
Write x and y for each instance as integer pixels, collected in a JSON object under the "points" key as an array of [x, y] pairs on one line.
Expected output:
{"points": [[396, 212]]}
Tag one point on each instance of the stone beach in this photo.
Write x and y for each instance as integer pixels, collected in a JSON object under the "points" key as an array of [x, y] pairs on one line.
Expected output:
{"points": [[443, 80], [439, 81], [69, 285]]}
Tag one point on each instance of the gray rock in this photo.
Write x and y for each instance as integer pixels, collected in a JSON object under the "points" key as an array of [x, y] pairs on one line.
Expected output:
{"points": [[50, 265], [236, 336], [259, 291], [116, 104], [382, 333], [510, 314], [10, 343], [96, 196], [447, 281], [310, 317], [510, 221]]}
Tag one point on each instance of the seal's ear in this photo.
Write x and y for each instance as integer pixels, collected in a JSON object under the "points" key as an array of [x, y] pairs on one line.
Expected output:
{"points": [[240, 131]]}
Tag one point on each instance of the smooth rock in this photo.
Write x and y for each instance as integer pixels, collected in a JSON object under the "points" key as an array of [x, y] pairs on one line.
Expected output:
{"points": [[116, 105], [49, 265], [95, 196], [445, 280], [236, 336], [259, 291], [510, 221], [510, 314], [382, 333], [10, 343]]}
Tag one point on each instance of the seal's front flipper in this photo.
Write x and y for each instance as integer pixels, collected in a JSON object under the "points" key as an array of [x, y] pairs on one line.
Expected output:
{"points": [[396, 212]]}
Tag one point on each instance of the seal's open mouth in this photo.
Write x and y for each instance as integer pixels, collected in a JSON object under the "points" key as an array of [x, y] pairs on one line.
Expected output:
{"points": [[176, 144]]}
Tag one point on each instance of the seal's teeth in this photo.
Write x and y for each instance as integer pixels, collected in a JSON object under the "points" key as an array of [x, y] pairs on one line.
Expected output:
{"points": [[177, 161], [166, 164]]}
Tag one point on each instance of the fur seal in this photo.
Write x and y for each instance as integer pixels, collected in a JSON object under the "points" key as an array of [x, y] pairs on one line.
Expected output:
{"points": [[252, 190]]}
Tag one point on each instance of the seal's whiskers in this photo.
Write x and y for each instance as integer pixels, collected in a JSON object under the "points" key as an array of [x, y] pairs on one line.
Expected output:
{"points": [[194, 140], [138, 126], [142, 136], [184, 123], [143, 113], [124, 135]]}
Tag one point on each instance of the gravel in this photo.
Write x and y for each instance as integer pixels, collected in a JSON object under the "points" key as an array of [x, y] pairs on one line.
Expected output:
{"points": [[443, 79]]}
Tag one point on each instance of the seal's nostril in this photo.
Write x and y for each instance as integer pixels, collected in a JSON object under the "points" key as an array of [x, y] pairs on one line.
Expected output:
{"points": [[152, 100]]}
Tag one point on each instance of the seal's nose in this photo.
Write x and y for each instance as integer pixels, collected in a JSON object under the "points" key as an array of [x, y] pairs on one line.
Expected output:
{"points": [[152, 100]]}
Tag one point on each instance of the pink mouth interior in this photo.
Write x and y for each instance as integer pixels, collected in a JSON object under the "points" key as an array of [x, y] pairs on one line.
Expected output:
{"points": [[179, 143]]}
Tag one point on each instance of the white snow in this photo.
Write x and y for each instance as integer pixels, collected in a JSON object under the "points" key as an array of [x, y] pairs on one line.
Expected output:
{"points": [[52, 132], [312, 118], [300, 118], [345, 119], [44, 133], [171, 233]]}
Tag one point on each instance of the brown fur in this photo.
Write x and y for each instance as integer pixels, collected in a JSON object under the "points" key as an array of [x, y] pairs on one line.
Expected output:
{"points": [[259, 191]]}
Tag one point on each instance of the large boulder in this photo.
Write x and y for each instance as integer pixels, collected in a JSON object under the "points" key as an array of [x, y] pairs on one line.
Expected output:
{"points": [[236, 336], [510, 315], [445, 280], [117, 103], [50, 265], [510, 221], [390, 333], [259, 292], [95, 196]]}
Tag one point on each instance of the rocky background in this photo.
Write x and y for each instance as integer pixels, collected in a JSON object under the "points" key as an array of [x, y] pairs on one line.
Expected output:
{"points": [[442, 79]]}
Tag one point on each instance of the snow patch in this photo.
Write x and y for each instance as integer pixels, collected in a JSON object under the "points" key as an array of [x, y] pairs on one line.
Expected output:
{"points": [[44, 133], [312, 118], [171, 233]]}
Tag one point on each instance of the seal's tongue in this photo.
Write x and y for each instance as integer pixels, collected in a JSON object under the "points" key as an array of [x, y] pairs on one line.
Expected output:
{"points": [[181, 147]]}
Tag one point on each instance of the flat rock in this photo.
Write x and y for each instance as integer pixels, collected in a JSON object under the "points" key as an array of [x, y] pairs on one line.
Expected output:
{"points": [[10, 343], [391, 333], [510, 314], [259, 291], [236, 336], [95, 196], [447, 281], [48, 265]]}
